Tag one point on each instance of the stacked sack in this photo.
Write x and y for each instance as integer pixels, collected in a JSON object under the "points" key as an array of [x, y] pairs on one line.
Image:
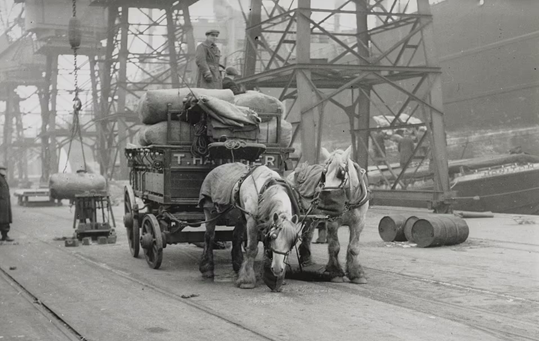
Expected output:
{"points": [[265, 104], [152, 111], [153, 106]]}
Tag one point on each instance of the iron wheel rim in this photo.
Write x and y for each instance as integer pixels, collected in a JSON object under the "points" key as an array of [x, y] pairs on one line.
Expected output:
{"points": [[153, 254], [133, 232]]}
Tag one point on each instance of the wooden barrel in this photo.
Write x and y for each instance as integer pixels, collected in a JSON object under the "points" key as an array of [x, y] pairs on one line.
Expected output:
{"points": [[408, 227], [440, 230], [391, 228]]}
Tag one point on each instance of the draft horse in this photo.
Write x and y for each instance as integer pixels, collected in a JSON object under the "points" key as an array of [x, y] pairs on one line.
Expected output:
{"points": [[267, 214], [337, 176]]}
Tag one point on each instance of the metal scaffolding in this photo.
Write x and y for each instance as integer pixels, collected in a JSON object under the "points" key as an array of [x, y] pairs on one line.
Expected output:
{"points": [[159, 51], [388, 55], [19, 66]]}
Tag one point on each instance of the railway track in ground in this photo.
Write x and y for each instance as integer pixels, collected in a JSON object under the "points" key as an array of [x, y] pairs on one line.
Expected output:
{"points": [[497, 324], [500, 325], [417, 293], [70, 332]]}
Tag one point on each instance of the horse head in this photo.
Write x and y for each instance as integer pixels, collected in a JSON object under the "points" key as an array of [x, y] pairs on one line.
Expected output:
{"points": [[281, 238], [338, 168]]}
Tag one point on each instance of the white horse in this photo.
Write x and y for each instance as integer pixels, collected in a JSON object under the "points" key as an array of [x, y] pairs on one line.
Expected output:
{"points": [[267, 214], [338, 173]]}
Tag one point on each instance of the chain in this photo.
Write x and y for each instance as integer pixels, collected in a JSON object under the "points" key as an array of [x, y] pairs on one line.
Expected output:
{"points": [[75, 73], [76, 130], [75, 67]]}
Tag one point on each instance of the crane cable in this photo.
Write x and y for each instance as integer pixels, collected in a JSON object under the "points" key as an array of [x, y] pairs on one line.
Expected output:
{"points": [[74, 34]]}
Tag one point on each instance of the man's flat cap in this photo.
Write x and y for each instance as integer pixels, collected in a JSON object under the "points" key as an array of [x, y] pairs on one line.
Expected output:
{"points": [[212, 32], [232, 71]]}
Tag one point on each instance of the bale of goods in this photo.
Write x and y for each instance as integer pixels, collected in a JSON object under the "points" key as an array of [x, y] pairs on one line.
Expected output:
{"points": [[153, 104], [440, 230], [156, 134], [228, 113], [138, 139], [391, 228], [67, 185], [268, 132], [260, 103]]}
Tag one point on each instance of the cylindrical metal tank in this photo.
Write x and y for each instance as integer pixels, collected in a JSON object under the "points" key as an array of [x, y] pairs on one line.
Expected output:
{"points": [[67, 185], [440, 230], [391, 228]]}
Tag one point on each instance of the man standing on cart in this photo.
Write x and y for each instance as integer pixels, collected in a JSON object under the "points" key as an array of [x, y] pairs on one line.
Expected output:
{"points": [[207, 60]]}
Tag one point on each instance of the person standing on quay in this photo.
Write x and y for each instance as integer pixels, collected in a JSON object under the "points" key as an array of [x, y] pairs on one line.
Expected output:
{"points": [[5, 206], [207, 60]]}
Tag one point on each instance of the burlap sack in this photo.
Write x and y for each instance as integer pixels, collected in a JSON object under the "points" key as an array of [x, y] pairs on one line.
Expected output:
{"points": [[156, 134], [260, 103], [268, 132], [152, 107]]}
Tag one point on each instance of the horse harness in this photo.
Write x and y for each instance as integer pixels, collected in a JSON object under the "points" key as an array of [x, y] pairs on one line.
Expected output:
{"points": [[272, 231], [330, 193]]}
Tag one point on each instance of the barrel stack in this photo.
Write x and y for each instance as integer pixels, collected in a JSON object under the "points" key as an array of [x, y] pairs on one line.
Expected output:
{"points": [[424, 230]]}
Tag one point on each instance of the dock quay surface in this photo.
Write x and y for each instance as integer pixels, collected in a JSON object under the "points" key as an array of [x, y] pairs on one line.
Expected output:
{"points": [[483, 289]]}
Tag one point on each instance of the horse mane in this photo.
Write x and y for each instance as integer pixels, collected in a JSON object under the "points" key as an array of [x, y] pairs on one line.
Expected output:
{"points": [[267, 204]]}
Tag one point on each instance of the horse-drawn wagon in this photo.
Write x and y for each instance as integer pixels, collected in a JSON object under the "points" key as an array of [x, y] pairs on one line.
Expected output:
{"points": [[162, 199]]}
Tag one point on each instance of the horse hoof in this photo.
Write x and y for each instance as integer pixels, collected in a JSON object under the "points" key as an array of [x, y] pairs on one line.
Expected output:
{"points": [[247, 286], [360, 280], [337, 279]]}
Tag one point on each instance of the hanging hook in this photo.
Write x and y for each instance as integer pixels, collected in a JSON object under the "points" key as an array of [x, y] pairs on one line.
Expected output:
{"points": [[77, 104]]}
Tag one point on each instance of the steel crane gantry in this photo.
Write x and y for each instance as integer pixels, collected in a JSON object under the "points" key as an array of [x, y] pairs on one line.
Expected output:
{"points": [[388, 55]]}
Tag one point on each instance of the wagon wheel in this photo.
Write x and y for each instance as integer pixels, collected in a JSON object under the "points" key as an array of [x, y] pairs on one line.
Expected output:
{"points": [[152, 241], [131, 221]]}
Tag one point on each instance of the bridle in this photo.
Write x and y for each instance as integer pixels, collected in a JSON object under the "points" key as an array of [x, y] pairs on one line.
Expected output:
{"points": [[272, 233], [343, 174]]}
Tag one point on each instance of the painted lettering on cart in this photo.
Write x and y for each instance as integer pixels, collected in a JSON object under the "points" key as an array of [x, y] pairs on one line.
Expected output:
{"points": [[180, 159]]}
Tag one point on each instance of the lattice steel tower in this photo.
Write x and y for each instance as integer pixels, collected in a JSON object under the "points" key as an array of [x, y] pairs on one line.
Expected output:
{"points": [[159, 50], [382, 63]]}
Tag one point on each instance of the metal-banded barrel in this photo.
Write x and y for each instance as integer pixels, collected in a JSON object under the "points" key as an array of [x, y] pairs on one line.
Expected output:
{"points": [[408, 227], [391, 228], [439, 230]]}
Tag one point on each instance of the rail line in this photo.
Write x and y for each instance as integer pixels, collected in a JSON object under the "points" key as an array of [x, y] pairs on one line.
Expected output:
{"points": [[125, 275], [63, 326], [429, 306], [492, 328], [503, 326]]}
